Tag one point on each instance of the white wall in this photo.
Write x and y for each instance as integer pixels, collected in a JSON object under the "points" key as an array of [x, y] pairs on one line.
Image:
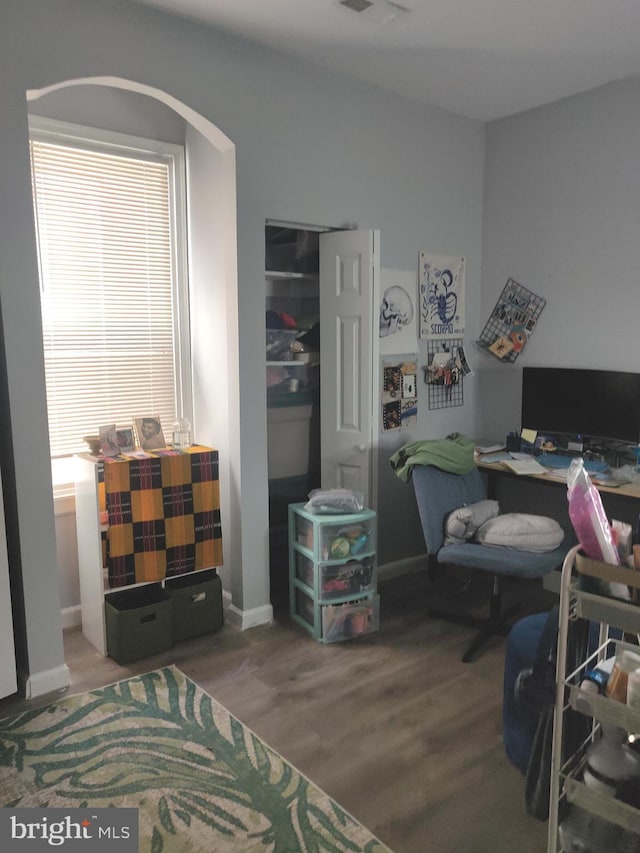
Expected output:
{"points": [[309, 148], [561, 217], [113, 110], [214, 316]]}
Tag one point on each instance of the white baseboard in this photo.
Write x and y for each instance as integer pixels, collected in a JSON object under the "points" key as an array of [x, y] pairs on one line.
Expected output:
{"points": [[71, 617], [402, 567], [39, 683], [244, 619]]}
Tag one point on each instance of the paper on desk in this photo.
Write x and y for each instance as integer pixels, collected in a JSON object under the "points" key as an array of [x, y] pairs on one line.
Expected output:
{"points": [[529, 435], [598, 479], [490, 458], [607, 480], [528, 465], [558, 473], [488, 447]]}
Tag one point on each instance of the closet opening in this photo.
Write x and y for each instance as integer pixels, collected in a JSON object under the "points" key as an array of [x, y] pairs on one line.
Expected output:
{"points": [[293, 364]]}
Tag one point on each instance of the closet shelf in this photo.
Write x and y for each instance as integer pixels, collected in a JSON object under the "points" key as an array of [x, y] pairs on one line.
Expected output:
{"points": [[273, 275]]}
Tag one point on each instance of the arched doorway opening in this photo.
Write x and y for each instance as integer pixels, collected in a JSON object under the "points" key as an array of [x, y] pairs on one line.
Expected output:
{"points": [[213, 309]]}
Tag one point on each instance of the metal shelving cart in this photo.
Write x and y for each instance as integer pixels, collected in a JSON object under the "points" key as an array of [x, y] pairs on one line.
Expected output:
{"points": [[578, 602]]}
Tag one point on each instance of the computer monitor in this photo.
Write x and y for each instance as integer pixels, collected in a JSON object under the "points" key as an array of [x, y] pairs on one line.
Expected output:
{"points": [[601, 404]]}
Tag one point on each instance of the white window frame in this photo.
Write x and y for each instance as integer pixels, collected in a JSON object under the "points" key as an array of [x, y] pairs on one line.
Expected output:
{"points": [[90, 138]]}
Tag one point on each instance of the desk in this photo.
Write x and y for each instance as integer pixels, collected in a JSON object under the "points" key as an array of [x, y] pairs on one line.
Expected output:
{"points": [[545, 495]]}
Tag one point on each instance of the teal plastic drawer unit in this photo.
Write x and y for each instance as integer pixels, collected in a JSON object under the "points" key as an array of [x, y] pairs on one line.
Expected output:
{"points": [[332, 573]]}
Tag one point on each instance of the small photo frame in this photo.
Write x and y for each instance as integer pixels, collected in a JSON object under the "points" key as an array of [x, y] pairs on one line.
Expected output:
{"points": [[149, 432], [108, 440], [391, 416], [125, 439]]}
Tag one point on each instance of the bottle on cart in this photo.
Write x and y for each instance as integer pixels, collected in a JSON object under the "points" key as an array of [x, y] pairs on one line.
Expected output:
{"points": [[612, 767], [181, 434]]}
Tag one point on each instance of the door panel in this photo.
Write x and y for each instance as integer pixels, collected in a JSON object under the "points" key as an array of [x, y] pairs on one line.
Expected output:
{"points": [[349, 266], [348, 374]]}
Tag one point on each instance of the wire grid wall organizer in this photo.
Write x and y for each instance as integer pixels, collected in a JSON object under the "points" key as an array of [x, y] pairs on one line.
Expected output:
{"points": [[445, 387], [512, 321]]}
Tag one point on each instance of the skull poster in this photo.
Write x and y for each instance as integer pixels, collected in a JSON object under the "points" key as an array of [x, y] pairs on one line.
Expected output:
{"points": [[441, 297], [398, 324]]}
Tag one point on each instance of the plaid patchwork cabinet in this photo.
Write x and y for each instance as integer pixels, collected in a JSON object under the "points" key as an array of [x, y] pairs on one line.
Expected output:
{"points": [[163, 515]]}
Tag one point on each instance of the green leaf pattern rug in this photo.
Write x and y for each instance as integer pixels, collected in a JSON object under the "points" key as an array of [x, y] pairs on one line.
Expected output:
{"points": [[202, 781]]}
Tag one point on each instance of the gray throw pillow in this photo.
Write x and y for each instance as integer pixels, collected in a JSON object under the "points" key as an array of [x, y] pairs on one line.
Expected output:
{"points": [[462, 524], [521, 531]]}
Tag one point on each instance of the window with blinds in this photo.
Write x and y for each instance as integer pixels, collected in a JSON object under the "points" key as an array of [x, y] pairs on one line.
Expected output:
{"points": [[113, 289]]}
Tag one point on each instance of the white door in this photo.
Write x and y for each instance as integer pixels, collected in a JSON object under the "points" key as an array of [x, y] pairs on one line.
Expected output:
{"points": [[349, 274]]}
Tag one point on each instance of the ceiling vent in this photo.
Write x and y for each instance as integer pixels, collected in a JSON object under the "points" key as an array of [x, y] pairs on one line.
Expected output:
{"points": [[379, 12], [356, 5]]}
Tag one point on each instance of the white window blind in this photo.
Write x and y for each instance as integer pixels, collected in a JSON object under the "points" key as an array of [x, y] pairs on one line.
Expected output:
{"points": [[107, 251]]}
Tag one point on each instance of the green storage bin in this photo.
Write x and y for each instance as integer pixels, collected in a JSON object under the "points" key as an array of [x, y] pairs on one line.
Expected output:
{"points": [[197, 604], [139, 622]]}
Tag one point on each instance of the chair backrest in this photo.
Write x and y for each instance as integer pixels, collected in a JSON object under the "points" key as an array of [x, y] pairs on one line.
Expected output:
{"points": [[438, 493]]}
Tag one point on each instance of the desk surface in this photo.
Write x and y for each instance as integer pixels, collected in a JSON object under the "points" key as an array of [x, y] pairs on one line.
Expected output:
{"points": [[627, 490]]}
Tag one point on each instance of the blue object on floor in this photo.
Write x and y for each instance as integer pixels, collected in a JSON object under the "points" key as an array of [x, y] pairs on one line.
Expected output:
{"points": [[521, 649]]}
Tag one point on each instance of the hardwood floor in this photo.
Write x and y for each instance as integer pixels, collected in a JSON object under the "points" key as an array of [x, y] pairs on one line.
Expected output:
{"points": [[393, 726]]}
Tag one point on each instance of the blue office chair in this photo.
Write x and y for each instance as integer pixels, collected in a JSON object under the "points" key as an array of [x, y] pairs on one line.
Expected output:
{"points": [[437, 494]]}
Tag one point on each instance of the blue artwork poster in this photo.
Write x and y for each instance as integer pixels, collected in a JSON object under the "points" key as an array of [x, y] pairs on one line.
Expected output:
{"points": [[441, 286]]}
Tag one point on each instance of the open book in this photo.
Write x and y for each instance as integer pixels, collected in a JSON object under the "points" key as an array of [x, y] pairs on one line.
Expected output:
{"points": [[524, 466]]}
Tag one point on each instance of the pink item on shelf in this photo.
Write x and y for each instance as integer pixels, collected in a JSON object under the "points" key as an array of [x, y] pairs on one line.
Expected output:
{"points": [[588, 517], [287, 320]]}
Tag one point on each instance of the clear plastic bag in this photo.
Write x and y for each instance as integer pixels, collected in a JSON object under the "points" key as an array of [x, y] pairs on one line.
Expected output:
{"points": [[334, 501], [588, 517]]}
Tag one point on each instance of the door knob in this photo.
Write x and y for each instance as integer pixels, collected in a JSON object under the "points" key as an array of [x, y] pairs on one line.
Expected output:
{"points": [[361, 447]]}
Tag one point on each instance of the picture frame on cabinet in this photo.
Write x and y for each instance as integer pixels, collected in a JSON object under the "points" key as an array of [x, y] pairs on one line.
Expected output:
{"points": [[108, 440], [125, 439], [149, 432]]}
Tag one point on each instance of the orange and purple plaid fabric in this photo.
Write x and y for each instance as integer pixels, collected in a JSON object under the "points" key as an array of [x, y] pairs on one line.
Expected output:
{"points": [[164, 515]]}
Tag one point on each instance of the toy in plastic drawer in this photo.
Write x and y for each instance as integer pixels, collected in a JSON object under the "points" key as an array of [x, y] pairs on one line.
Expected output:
{"points": [[338, 580], [350, 620], [337, 541], [342, 541], [355, 577]]}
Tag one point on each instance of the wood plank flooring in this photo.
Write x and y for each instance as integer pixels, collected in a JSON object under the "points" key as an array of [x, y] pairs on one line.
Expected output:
{"points": [[394, 726]]}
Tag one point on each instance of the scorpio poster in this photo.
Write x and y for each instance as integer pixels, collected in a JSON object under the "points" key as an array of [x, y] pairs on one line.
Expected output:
{"points": [[441, 296]]}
